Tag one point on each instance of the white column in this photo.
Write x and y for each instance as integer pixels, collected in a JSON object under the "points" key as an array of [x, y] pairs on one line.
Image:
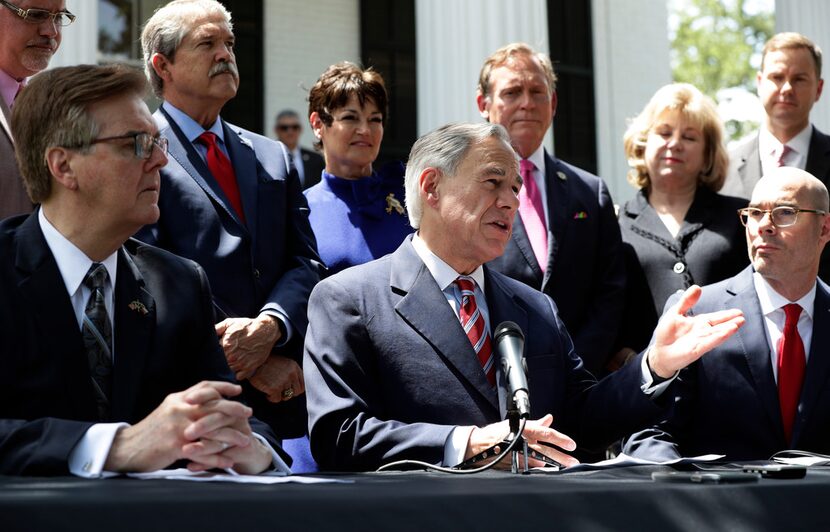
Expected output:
{"points": [[631, 61], [302, 38], [79, 42], [453, 40], [812, 19]]}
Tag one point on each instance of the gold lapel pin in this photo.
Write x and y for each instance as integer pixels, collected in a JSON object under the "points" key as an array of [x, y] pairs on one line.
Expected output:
{"points": [[139, 307]]}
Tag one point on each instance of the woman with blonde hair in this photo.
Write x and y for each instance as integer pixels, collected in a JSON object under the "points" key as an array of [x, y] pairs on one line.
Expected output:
{"points": [[677, 231]]}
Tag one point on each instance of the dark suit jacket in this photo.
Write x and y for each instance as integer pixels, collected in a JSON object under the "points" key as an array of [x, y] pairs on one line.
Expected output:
{"points": [[745, 172], [313, 166], [13, 197], [269, 264], [727, 402], [390, 371], [710, 247], [46, 394], [585, 274]]}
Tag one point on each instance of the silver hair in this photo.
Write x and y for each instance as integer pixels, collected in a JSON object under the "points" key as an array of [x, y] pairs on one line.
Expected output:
{"points": [[443, 149], [165, 30]]}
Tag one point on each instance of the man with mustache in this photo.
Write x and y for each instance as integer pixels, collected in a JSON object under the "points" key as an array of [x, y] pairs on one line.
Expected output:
{"points": [[232, 202], [765, 389], [566, 241], [789, 84], [30, 32], [401, 361]]}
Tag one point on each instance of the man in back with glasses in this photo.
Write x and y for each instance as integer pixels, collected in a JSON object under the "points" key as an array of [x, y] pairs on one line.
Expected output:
{"points": [[110, 362], [764, 389], [30, 32]]}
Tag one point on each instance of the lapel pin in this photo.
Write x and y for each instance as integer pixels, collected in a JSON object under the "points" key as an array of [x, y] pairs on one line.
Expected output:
{"points": [[139, 307], [561, 175], [581, 215], [393, 203]]}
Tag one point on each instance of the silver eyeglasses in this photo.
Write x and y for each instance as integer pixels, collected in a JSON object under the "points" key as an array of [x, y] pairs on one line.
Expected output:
{"points": [[39, 16], [780, 216], [144, 143]]}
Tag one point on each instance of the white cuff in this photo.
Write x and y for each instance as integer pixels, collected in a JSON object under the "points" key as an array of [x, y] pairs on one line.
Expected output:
{"points": [[647, 381], [456, 446], [89, 455]]}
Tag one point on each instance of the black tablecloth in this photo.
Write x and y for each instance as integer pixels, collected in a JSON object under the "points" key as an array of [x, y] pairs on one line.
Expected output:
{"points": [[619, 499]]}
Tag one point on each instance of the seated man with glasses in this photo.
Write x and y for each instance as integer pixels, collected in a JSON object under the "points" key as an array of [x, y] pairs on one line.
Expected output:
{"points": [[309, 164], [110, 362], [30, 32], [764, 389]]}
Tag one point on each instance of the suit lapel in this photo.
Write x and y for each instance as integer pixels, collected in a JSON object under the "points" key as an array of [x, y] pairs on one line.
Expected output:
{"points": [[753, 338], [558, 196], [244, 162], [182, 151], [424, 308], [818, 367], [523, 243], [818, 158], [502, 307], [134, 317], [6, 120], [42, 285], [749, 166]]}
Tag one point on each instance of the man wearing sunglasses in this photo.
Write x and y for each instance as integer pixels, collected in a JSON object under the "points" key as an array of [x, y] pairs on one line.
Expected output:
{"points": [[765, 389], [30, 32], [309, 164], [109, 362]]}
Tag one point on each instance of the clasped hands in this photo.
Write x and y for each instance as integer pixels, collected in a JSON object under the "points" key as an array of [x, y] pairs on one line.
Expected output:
{"points": [[198, 425], [247, 343]]}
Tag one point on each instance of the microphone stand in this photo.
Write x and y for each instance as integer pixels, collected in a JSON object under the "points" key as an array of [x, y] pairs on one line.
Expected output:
{"points": [[515, 442]]}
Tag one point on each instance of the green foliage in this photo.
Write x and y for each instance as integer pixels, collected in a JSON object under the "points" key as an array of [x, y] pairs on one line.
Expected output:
{"points": [[715, 42]]}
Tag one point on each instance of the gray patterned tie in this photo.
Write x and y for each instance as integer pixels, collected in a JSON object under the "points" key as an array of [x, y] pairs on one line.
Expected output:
{"points": [[97, 331]]}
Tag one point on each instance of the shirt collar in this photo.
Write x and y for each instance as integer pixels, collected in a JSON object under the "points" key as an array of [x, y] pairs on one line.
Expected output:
{"points": [[9, 87], [770, 146], [442, 272], [771, 300], [190, 127], [72, 262], [538, 159]]}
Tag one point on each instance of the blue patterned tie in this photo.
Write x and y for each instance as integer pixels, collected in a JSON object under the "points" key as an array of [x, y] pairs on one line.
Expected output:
{"points": [[97, 332]]}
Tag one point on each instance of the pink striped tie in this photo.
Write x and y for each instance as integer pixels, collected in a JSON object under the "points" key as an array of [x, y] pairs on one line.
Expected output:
{"points": [[533, 214], [785, 150], [473, 323]]}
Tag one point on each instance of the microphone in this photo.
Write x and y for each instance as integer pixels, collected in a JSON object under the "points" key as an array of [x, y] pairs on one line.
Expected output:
{"points": [[510, 344]]}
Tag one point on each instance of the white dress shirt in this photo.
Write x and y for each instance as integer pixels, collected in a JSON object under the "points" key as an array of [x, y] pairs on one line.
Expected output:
{"points": [[775, 317], [770, 147]]}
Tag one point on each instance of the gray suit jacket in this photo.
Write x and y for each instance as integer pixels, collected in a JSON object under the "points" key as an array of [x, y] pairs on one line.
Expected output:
{"points": [[13, 197], [745, 167]]}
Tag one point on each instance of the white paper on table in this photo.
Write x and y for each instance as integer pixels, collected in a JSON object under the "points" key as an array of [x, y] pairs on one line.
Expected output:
{"points": [[210, 476], [802, 461], [623, 460]]}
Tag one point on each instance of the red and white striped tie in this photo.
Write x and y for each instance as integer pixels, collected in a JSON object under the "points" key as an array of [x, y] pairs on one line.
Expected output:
{"points": [[473, 322]]}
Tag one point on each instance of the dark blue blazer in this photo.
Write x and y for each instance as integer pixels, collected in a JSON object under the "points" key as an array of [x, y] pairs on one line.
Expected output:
{"points": [[269, 263], [585, 274], [46, 396], [390, 372], [727, 402]]}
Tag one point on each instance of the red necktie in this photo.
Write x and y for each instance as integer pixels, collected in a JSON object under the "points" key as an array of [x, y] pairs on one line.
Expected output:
{"points": [[791, 364], [473, 323], [785, 150], [533, 214], [222, 170]]}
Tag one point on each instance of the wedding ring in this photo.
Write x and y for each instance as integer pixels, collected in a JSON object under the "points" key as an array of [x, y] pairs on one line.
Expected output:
{"points": [[288, 393]]}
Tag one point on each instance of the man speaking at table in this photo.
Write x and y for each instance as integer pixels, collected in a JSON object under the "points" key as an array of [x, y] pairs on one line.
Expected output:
{"points": [[109, 362], [390, 371], [765, 389]]}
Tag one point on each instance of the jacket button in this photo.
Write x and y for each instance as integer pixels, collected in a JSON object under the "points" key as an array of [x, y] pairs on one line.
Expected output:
{"points": [[679, 267]]}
